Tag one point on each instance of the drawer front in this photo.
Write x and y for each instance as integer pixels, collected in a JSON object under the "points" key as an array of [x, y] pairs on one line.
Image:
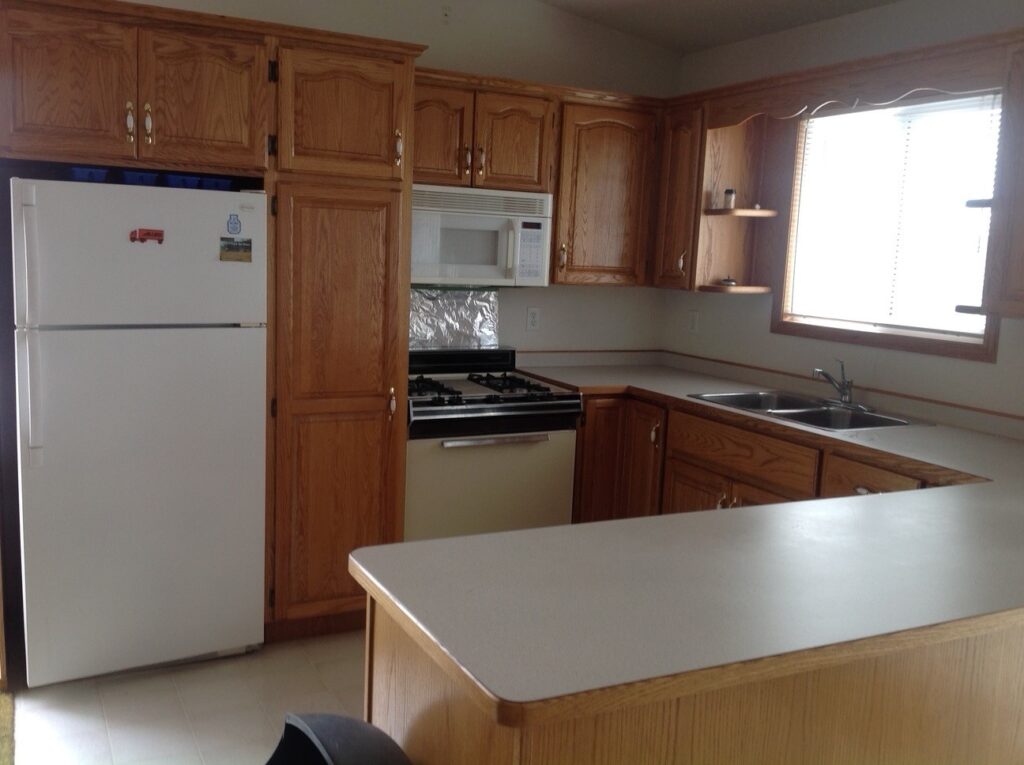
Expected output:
{"points": [[844, 478], [787, 467]]}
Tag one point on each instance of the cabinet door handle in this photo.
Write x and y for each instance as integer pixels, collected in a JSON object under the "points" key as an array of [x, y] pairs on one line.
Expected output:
{"points": [[682, 263], [147, 123], [654, 434], [483, 156], [735, 502], [469, 159], [129, 120], [721, 501], [863, 491], [399, 148], [563, 255], [392, 403]]}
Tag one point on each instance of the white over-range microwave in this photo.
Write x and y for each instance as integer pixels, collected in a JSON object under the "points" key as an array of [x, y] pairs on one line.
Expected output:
{"points": [[480, 237]]}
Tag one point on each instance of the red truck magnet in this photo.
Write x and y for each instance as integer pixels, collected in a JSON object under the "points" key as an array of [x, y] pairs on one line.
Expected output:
{"points": [[146, 235]]}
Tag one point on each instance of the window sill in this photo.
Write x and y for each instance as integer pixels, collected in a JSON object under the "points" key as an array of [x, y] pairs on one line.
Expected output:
{"points": [[937, 344]]}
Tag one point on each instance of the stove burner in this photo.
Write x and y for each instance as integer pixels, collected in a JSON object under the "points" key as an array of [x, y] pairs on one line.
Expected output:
{"points": [[424, 386], [506, 383]]}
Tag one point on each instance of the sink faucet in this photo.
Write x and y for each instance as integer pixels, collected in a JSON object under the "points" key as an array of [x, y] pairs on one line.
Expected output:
{"points": [[843, 386]]}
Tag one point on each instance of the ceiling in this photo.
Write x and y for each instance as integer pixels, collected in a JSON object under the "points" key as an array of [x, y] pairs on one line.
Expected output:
{"points": [[691, 25]]}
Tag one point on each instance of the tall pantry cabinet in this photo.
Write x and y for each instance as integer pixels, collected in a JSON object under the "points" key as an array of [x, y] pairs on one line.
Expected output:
{"points": [[343, 194]]}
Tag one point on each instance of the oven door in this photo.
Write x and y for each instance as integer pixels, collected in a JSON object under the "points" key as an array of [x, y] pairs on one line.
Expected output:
{"points": [[480, 484], [463, 249]]}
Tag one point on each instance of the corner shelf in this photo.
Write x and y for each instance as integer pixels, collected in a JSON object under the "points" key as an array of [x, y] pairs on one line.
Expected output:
{"points": [[741, 212], [735, 289]]}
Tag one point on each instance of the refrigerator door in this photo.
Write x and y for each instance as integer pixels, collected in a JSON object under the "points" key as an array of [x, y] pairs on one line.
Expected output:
{"points": [[141, 454], [96, 255]]}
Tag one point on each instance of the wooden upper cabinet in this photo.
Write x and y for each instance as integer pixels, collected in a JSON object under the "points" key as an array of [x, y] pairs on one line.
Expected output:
{"points": [[678, 211], [600, 453], [689, 488], [202, 99], [604, 195], [70, 85], [642, 459], [1004, 273], [342, 351], [343, 113], [442, 148], [512, 142]]}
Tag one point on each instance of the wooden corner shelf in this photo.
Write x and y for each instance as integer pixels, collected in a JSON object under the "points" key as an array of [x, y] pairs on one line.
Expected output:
{"points": [[741, 212], [735, 289]]}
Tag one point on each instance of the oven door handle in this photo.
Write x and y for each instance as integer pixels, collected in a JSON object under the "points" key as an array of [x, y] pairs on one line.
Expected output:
{"points": [[462, 443]]}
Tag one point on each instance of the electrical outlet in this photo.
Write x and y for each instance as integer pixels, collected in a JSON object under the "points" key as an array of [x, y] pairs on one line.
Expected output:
{"points": [[694, 322], [532, 319], [446, 14]]}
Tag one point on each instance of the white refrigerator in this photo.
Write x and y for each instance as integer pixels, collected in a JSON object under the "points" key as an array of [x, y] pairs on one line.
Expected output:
{"points": [[140, 334]]}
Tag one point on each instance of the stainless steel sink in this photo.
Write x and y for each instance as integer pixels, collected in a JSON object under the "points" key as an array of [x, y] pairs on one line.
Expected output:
{"points": [[840, 418], [763, 400], [806, 410]]}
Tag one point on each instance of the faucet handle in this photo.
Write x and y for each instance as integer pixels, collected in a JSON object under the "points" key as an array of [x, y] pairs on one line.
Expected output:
{"points": [[842, 369]]}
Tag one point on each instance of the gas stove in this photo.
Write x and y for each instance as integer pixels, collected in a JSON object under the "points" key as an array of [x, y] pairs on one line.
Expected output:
{"points": [[479, 391]]}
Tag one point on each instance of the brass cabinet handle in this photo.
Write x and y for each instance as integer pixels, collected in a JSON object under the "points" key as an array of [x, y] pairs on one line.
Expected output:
{"points": [[392, 403], [563, 255], [735, 502], [654, 434], [399, 147], [483, 156], [682, 262], [863, 491], [129, 120], [469, 158], [147, 123], [721, 501]]}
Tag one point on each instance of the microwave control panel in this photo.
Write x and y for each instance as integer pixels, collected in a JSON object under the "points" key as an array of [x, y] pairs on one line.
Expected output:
{"points": [[533, 249]]}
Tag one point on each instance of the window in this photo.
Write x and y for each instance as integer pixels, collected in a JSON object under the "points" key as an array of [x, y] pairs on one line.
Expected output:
{"points": [[890, 223]]}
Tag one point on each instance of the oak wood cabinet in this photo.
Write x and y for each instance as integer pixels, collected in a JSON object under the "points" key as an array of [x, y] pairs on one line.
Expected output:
{"points": [[605, 195], [1004, 273], [343, 113], [842, 477], [678, 211], [484, 139], [689, 488], [94, 90], [341, 370], [642, 459], [745, 495], [599, 455]]}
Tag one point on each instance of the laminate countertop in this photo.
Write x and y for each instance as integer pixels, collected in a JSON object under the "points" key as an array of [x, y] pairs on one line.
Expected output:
{"points": [[542, 613]]}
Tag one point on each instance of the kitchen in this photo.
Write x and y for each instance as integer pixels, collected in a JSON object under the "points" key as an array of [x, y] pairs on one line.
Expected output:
{"points": [[725, 337]]}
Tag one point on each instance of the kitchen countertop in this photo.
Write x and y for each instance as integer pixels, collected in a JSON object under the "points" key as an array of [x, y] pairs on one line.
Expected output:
{"points": [[543, 613]]}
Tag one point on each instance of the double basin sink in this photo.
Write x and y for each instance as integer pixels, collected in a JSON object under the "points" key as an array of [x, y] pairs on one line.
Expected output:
{"points": [[805, 410]]}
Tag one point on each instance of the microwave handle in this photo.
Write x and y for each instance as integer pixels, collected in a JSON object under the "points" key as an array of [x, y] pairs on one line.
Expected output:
{"points": [[510, 255]]}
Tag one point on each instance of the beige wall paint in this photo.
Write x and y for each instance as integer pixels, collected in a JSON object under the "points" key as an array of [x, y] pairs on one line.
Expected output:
{"points": [[524, 39], [888, 28]]}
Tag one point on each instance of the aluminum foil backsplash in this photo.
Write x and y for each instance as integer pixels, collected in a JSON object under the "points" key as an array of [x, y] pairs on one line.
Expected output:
{"points": [[441, 318]]}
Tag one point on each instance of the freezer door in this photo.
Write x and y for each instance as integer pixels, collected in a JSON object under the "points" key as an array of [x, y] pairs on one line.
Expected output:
{"points": [[141, 453], [95, 254]]}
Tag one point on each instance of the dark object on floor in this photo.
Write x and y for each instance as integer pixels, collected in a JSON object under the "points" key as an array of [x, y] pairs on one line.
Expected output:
{"points": [[334, 740]]}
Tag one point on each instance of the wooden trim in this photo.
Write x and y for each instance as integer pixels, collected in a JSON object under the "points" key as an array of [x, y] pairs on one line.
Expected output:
{"points": [[150, 14]]}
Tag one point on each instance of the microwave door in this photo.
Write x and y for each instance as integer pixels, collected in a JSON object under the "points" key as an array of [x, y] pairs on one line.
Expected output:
{"points": [[462, 249]]}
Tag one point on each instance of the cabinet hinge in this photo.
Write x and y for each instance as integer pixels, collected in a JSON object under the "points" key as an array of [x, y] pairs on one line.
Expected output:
{"points": [[272, 71], [273, 204], [273, 407], [271, 597], [272, 145]]}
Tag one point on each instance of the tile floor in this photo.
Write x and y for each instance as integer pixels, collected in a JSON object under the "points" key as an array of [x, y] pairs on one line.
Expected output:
{"points": [[204, 713]]}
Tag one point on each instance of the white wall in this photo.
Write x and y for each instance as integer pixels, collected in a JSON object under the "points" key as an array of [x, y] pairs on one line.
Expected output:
{"points": [[524, 39], [885, 29]]}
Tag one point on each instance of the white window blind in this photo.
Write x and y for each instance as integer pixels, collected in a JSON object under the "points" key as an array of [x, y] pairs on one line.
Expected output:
{"points": [[883, 233]]}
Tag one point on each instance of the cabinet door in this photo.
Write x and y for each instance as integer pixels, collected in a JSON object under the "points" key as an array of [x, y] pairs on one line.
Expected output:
{"points": [[689, 488], [745, 495], [343, 113], [680, 198], [600, 457], [513, 137], [442, 148], [642, 459], [69, 86], [342, 362], [203, 99], [841, 477], [603, 200], [1004, 272]]}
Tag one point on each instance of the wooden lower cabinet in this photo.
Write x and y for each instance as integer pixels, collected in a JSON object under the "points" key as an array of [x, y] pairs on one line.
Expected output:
{"points": [[689, 488], [745, 495], [599, 453], [342, 367], [642, 459], [841, 477]]}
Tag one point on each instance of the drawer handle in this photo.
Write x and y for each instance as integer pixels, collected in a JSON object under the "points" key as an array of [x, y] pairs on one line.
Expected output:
{"points": [[463, 443], [864, 491]]}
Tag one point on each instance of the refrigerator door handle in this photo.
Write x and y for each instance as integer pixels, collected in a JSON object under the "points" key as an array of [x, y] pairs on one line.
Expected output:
{"points": [[29, 352], [25, 246]]}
